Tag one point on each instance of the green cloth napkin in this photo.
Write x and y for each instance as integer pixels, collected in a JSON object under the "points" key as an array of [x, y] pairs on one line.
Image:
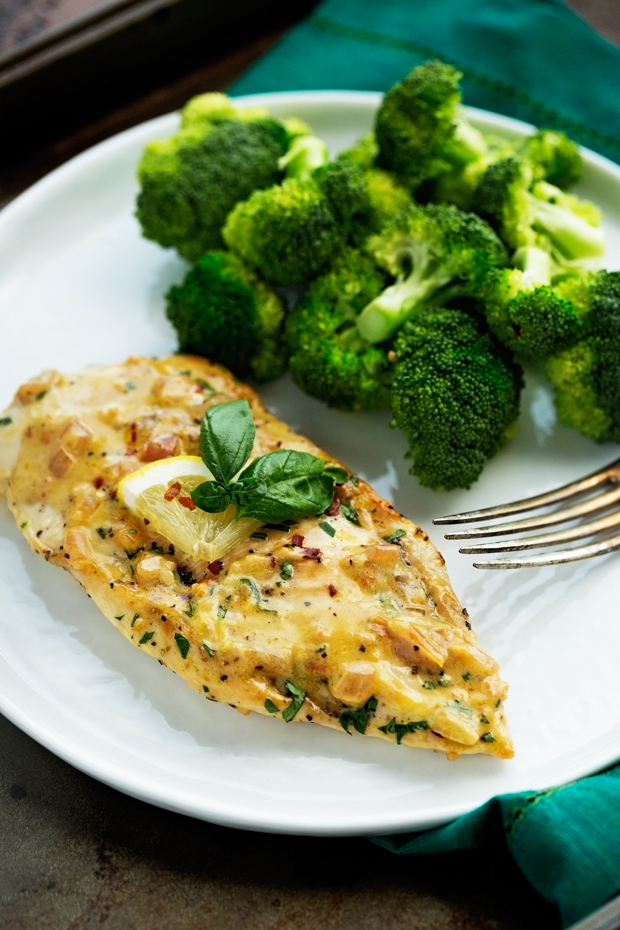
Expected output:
{"points": [[537, 61]]}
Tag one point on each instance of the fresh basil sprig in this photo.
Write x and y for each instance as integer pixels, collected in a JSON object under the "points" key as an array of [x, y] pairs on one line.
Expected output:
{"points": [[280, 485]]}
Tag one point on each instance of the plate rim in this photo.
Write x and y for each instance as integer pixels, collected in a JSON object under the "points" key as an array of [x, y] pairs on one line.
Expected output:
{"points": [[112, 773]]}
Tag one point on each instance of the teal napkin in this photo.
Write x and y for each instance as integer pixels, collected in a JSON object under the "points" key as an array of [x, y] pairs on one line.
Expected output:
{"points": [[537, 61]]}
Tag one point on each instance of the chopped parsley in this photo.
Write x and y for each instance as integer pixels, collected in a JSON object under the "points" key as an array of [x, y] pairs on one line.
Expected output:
{"points": [[132, 553], [358, 718], [41, 394], [22, 525], [395, 536], [130, 385], [467, 676], [283, 527], [221, 612], [192, 610], [134, 618], [187, 578], [299, 697], [4, 421], [205, 384], [258, 536], [119, 618], [349, 511], [401, 729], [102, 531], [205, 689], [483, 719], [354, 480], [207, 648], [256, 595], [487, 738], [271, 707], [327, 528], [286, 572], [429, 685], [146, 638], [182, 643]]}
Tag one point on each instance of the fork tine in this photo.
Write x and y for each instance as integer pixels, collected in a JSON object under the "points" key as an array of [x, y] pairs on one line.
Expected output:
{"points": [[583, 531], [612, 544], [610, 473], [591, 505]]}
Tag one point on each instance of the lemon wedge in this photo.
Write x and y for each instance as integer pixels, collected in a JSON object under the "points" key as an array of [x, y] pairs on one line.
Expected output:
{"points": [[160, 493]]}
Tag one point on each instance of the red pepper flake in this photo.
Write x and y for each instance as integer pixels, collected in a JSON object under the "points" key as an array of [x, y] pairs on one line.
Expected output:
{"points": [[297, 540], [312, 554], [187, 502], [134, 431], [333, 591], [131, 451], [215, 567], [98, 482], [334, 508], [172, 491]]}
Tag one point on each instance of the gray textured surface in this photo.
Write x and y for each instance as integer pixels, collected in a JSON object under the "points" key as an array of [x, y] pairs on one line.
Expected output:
{"points": [[75, 854]]}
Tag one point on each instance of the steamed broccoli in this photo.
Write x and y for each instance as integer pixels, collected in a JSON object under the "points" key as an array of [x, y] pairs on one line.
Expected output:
{"points": [[329, 359], [455, 396], [289, 232], [192, 180], [222, 311], [556, 157], [529, 212], [419, 126], [586, 376], [431, 251], [527, 313]]}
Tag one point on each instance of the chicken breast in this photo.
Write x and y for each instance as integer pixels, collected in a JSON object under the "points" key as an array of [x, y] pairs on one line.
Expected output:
{"points": [[347, 619]]}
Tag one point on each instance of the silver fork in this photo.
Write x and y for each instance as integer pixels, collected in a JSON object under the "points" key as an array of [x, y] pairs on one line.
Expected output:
{"points": [[601, 492]]}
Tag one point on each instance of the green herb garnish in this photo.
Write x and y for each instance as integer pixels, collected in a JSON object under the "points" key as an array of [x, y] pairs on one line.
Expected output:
{"points": [[132, 553], [146, 638], [400, 729], [286, 572], [134, 618], [466, 676], [221, 612], [24, 524], [102, 531], [327, 528], [349, 511], [192, 610], [119, 618], [271, 707], [182, 643], [41, 394], [205, 384], [396, 535], [4, 421], [280, 485], [258, 536], [299, 697], [487, 738], [256, 595], [358, 718], [205, 689], [207, 649], [130, 385]]}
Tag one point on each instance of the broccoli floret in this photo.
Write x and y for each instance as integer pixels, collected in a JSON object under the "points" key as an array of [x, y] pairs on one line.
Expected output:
{"points": [[526, 312], [455, 396], [417, 123], [429, 250], [552, 155], [329, 359], [290, 232], [224, 312], [191, 181], [364, 153], [556, 157], [586, 376], [527, 212]]}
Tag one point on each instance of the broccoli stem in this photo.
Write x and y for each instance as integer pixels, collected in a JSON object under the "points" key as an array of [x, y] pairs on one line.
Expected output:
{"points": [[470, 143], [306, 154], [384, 315], [571, 235], [535, 264]]}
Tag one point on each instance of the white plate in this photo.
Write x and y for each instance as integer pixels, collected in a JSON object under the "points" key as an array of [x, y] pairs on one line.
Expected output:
{"points": [[79, 286]]}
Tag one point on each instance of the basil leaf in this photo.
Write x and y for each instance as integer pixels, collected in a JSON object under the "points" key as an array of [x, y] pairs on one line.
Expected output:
{"points": [[285, 484], [212, 497], [340, 475], [226, 439]]}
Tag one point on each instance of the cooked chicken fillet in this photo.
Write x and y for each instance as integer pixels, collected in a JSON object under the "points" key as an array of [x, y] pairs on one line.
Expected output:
{"points": [[357, 630]]}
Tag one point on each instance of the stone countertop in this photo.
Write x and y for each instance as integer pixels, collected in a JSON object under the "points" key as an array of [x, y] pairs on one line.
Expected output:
{"points": [[76, 854]]}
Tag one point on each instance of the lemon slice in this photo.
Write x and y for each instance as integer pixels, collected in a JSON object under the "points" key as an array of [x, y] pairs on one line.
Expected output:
{"points": [[203, 536]]}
